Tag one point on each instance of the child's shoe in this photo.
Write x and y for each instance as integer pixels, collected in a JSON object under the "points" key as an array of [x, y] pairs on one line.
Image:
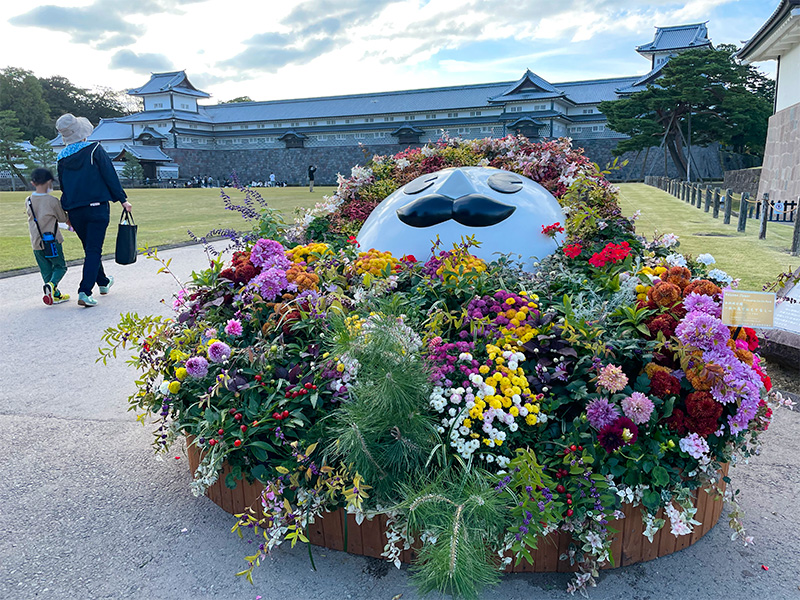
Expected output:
{"points": [[87, 301], [104, 288], [49, 288], [58, 297]]}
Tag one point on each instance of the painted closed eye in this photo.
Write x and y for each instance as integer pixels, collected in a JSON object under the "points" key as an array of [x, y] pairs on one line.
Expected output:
{"points": [[505, 183], [420, 184]]}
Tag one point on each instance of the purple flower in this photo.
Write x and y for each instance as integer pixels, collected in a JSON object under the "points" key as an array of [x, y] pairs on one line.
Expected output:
{"points": [[233, 327], [702, 331], [637, 407], [601, 413], [269, 253], [702, 303], [219, 351], [270, 283], [197, 367]]}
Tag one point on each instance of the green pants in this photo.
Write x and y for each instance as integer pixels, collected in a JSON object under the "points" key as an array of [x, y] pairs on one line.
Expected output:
{"points": [[52, 269]]}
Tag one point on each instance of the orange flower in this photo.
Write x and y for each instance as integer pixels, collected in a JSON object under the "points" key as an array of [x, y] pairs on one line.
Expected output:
{"points": [[665, 294]]}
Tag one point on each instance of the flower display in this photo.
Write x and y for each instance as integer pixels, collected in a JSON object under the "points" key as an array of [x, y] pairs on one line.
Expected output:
{"points": [[339, 376]]}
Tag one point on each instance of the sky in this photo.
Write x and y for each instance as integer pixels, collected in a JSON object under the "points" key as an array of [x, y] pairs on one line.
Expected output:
{"points": [[304, 48]]}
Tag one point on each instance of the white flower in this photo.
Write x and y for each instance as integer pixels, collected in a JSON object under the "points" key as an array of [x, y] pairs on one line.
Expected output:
{"points": [[427, 151], [706, 259], [720, 275], [676, 260], [402, 163], [668, 240]]}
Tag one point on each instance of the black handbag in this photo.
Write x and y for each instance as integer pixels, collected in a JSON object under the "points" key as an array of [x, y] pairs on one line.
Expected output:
{"points": [[126, 239]]}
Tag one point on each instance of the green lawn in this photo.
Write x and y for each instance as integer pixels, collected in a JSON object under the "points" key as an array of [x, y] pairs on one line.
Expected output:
{"points": [[163, 216], [741, 255]]}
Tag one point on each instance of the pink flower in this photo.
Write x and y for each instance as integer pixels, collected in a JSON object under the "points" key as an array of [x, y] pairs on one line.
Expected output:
{"points": [[637, 407], [612, 378], [234, 327]]}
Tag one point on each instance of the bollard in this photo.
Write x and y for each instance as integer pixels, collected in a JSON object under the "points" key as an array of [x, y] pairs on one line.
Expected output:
{"points": [[796, 234], [715, 214], [692, 194], [762, 231], [707, 206], [708, 198], [743, 206], [728, 206]]}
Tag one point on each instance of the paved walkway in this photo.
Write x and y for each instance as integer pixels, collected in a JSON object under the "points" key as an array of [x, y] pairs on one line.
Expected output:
{"points": [[87, 512]]}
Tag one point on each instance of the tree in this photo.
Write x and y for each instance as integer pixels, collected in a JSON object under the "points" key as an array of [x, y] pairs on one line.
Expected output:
{"points": [[133, 168], [238, 99], [42, 153], [21, 92], [62, 96], [12, 154], [726, 101]]}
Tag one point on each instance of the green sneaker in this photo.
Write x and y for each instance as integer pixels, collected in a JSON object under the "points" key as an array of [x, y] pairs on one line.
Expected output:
{"points": [[86, 301], [48, 288], [104, 288]]}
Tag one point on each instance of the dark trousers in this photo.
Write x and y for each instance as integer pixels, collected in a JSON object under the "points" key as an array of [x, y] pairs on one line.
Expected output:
{"points": [[90, 223], [52, 269]]}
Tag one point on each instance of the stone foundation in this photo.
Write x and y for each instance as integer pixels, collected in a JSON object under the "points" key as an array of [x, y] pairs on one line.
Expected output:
{"points": [[780, 176], [742, 180]]}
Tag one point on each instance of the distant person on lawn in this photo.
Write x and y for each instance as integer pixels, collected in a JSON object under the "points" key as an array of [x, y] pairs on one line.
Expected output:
{"points": [[311, 170], [44, 214], [88, 183]]}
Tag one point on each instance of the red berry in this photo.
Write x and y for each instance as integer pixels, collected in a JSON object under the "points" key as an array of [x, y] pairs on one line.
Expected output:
{"points": [[276, 415], [568, 501], [573, 447], [569, 512], [307, 386], [560, 488], [287, 395], [295, 394], [258, 377], [212, 442], [580, 448], [255, 423], [221, 432], [569, 495], [232, 411], [243, 428], [237, 443], [285, 414], [238, 416], [313, 387]]}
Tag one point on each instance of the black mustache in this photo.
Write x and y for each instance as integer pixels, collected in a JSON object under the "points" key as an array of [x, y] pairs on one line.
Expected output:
{"points": [[473, 210]]}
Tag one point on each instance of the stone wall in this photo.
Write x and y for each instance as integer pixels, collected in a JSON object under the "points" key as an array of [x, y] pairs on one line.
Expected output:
{"points": [[780, 176], [288, 164], [742, 180], [291, 164]]}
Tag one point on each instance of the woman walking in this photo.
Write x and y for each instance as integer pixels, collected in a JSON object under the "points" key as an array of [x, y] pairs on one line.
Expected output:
{"points": [[88, 183]]}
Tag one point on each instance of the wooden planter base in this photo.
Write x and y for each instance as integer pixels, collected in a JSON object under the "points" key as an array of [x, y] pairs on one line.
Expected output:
{"points": [[629, 546]]}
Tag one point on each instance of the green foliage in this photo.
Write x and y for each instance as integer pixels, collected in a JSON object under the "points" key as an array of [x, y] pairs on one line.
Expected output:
{"points": [[237, 99], [11, 153], [132, 169], [384, 431], [21, 92], [729, 103], [42, 154], [464, 519]]}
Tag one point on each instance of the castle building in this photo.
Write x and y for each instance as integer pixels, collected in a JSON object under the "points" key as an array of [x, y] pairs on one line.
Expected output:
{"points": [[176, 131]]}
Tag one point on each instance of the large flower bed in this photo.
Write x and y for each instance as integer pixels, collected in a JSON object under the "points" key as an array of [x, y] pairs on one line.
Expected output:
{"points": [[478, 406]]}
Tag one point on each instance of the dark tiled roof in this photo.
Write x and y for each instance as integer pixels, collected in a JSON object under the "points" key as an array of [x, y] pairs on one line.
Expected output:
{"points": [[153, 153], [164, 82], [677, 37], [783, 9]]}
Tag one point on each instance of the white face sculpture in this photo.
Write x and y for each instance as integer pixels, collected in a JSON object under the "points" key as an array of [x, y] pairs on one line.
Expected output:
{"points": [[503, 210]]}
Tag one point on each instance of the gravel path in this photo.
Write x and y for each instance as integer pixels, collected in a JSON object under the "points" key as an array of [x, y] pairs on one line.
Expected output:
{"points": [[87, 512]]}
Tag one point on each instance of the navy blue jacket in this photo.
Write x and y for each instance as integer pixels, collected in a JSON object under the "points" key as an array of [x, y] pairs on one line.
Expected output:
{"points": [[87, 177]]}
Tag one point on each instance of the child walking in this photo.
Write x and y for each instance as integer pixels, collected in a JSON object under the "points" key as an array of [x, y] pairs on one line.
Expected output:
{"points": [[44, 215]]}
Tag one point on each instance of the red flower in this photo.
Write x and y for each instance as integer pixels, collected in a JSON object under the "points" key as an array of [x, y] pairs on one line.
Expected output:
{"points": [[664, 385], [612, 253], [552, 230], [664, 323], [573, 250], [702, 413], [409, 258], [352, 240], [612, 437]]}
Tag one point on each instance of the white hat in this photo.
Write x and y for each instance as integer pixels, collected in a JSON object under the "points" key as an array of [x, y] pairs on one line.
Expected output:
{"points": [[73, 129]]}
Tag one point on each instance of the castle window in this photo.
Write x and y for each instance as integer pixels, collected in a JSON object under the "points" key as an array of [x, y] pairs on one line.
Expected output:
{"points": [[388, 118], [312, 122], [341, 136], [474, 113], [369, 120], [452, 115], [379, 134], [430, 116], [244, 126], [322, 138], [409, 117], [588, 111], [295, 123], [330, 122], [360, 136], [277, 124]]}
